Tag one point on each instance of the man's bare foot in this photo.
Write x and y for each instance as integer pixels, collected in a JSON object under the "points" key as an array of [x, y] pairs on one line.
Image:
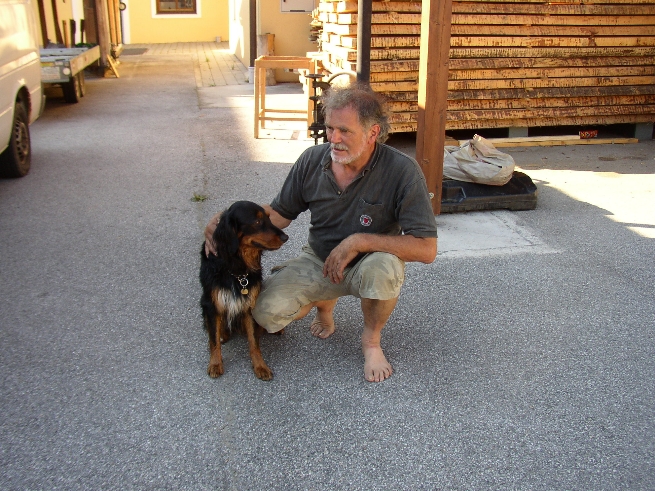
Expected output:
{"points": [[322, 325], [376, 366]]}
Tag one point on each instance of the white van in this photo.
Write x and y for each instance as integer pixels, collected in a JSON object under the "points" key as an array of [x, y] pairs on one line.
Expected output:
{"points": [[21, 95]]}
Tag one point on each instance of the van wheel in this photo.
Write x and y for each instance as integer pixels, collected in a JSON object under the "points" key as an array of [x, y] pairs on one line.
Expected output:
{"points": [[72, 90], [15, 160]]}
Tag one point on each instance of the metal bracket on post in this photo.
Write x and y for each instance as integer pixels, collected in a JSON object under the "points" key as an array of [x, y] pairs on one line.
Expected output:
{"points": [[317, 128]]}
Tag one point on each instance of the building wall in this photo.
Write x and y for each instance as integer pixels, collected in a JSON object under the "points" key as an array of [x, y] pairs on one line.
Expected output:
{"points": [[239, 20], [64, 13], [147, 27], [291, 31], [77, 13], [35, 7]]}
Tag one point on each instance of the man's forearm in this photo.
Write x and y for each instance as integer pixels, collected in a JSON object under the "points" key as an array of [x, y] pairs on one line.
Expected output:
{"points": [[406, 247], [276, 219]]}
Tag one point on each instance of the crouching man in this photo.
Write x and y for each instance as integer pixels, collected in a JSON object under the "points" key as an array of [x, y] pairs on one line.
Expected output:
{"points": [[370, 214]]}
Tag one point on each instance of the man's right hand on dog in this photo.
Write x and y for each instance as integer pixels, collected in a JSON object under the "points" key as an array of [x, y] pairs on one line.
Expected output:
{"points": [[210, 247]]}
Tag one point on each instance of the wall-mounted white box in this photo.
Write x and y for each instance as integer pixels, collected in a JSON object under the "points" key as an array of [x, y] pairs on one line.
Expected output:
{"points": [[292, 6]]}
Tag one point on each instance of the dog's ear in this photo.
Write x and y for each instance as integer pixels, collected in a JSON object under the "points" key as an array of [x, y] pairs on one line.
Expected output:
{"points": [[225, 236]]}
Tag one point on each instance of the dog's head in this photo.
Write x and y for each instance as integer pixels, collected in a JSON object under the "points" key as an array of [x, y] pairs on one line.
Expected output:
{"points": [[246, 225]]}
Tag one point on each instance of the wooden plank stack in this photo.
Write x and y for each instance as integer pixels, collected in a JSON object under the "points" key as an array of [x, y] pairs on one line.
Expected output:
{"points": [[513, 63]]}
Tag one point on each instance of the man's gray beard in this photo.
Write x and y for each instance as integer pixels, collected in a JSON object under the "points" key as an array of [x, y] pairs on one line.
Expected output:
{"points": [[345, 160]]}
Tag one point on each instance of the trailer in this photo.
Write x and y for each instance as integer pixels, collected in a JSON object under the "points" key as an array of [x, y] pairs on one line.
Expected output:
{"points": [[65, 67]]}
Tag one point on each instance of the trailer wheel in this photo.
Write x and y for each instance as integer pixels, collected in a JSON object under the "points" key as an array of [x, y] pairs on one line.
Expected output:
{"points": [[15, 160], [72, 90], [82, 83]]}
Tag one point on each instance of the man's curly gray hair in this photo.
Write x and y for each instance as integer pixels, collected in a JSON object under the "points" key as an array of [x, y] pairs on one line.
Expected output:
{"points": [[369, 106]]}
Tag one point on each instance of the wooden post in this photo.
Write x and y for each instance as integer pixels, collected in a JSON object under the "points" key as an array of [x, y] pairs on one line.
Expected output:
{"points": [[115, 22], [64, 30], [433, 93], [111, 13], [119, 27], [44, 24], [55, 14], [266, 47], [252, 31], [364, 15], [104, 39]]}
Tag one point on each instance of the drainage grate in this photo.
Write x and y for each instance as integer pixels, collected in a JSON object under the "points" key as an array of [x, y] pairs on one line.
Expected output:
{"points": [[133, 51]]}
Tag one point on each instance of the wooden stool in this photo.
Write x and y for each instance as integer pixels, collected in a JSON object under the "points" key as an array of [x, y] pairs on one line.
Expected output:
{"points": [[290, 62]]}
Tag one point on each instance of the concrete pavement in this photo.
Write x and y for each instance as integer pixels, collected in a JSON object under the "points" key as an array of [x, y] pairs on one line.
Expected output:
{"points": [[524, 356]]}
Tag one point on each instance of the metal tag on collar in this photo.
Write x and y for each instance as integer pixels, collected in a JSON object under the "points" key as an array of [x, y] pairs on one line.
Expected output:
{"points": [[243, 281]]}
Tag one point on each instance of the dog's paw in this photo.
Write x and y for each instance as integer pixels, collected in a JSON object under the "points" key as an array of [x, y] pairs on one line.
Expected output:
{"points": [[263, 372], [215, 371]]}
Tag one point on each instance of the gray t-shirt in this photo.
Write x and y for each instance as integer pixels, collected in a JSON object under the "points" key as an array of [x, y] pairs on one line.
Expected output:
{"points": [[389, 197]]}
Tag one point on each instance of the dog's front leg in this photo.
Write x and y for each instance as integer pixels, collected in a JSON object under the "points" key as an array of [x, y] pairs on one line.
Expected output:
{"points": [[215, 367], [254, 332]]}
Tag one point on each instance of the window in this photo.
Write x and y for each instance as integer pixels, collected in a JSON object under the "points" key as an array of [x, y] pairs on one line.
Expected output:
{"points": [[176, 7]]}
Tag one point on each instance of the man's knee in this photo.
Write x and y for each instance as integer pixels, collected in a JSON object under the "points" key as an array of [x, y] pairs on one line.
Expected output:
{"points": [[381, 276], [274, 315], [298, 283]]}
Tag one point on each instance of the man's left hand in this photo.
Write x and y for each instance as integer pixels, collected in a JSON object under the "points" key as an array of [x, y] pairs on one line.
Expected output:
{"points": [[339, 258], [405, 247]]}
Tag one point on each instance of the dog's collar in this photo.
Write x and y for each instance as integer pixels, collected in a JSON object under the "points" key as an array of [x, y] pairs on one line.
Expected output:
{"points": [[243, 281]]}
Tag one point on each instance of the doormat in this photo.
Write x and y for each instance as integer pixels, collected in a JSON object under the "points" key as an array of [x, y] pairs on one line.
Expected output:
{"points": [[133, 51]]}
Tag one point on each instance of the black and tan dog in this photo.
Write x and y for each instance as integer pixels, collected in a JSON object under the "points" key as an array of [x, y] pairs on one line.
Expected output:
{"points": [[232, 279]]}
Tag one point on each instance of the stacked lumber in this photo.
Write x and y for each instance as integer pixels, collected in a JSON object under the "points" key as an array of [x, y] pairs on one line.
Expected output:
{"points": [[513, 63]]}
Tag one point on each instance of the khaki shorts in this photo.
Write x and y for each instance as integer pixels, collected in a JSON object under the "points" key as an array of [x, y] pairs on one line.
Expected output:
{"points": [[298, 282]]}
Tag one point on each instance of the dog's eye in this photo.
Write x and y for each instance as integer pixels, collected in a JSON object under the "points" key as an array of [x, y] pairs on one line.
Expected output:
{"points": [[258, 222]]}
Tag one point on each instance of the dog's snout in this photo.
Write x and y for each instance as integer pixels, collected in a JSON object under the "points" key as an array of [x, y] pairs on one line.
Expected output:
{"points": [[284, 237]]}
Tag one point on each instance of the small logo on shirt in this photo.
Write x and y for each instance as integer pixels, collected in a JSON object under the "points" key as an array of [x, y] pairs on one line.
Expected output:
{"points": [[365, 220]]}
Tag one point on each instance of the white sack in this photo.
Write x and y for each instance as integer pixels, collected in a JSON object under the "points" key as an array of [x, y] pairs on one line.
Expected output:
{"points": [[478, 161]]}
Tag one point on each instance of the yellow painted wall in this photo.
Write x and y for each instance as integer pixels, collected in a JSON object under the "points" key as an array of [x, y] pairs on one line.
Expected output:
{"points": [[214, 21], [35, 8], [239, 22], [291, 33], [64, 12]]}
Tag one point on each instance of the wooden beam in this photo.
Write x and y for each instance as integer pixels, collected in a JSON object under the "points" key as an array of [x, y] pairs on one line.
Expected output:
{"points": [[104, 38], [548, 30], [252, 31], [537, 20], [551, 9], [113, 16], [555, 52], [541, 93], [112, 65], [513, 115], [433, 94], [364, 40], [59, 38], [482, 63], [559, 72], [44, 24], [558, 141], [376, 29], [595, 2]]}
